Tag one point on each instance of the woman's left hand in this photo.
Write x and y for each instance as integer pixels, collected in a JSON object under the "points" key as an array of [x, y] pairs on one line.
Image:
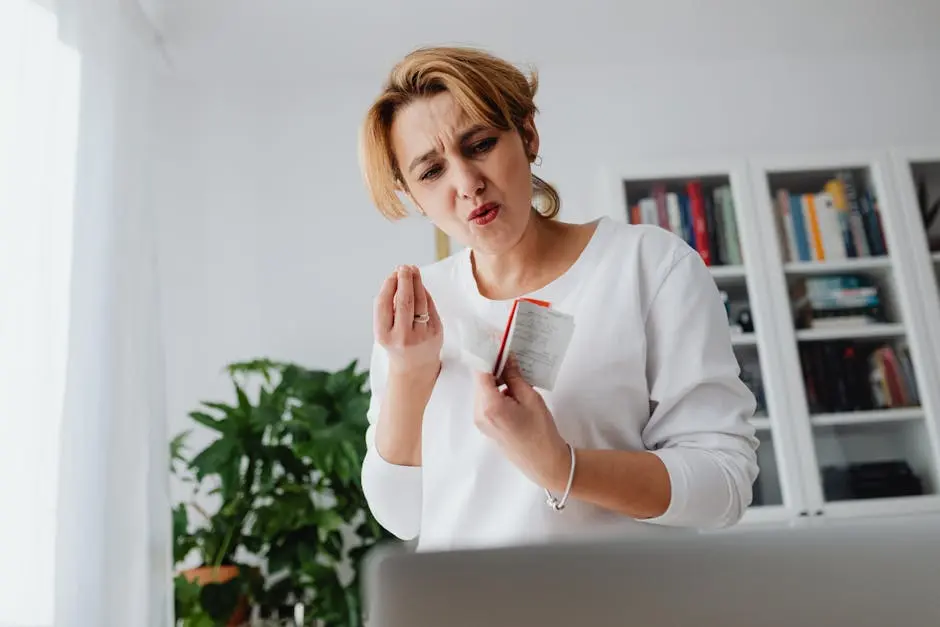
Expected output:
{"points": [[519, 421]]}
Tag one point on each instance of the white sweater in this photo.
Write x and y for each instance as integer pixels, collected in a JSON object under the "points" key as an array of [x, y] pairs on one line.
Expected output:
{"points": [[650, 367]]}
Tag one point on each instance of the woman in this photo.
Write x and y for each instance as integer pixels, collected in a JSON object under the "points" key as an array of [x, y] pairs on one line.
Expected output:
{"points": [[648, 418]]}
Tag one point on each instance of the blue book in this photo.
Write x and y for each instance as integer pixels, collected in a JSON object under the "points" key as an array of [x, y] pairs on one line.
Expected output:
{"points": [[871, 225], [799, 227], [685, 215]]}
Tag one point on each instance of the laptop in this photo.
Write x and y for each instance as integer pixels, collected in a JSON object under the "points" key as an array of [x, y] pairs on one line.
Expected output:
{"points": [[880, 575]]}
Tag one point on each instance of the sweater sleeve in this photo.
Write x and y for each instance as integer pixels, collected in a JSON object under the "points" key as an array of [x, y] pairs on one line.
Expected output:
{"points": [[700, 425], [393, 492]]}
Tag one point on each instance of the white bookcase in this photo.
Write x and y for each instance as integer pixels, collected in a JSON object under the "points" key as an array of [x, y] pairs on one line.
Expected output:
{"points": [[911, 165], [798, 441]]}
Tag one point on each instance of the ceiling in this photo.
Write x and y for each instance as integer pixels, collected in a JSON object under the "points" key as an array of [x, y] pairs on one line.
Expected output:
{"points": [[284, 39]]}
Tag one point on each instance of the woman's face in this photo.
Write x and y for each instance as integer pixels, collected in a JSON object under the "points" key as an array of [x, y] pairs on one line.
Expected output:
{"points": [[472, 182]]}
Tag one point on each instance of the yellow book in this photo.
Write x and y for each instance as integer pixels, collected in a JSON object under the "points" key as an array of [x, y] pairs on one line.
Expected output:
{"points": [[812, 225]]}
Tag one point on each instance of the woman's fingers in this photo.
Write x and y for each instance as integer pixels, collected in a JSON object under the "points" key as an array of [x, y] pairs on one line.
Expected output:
{"points": [[421, 295], [401, 298], [404, 299], [384, 315], [434, 319], [516, 384]]}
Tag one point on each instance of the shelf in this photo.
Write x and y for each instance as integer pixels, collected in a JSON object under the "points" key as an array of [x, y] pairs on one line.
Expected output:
{"points": [[744, 339], [880, 330], [892, 506], [761, 423], [867, 417], [758, 515], [725, 273], [855, 264]]}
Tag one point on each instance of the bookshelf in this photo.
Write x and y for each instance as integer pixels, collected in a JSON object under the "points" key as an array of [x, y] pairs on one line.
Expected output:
{"points": [[825, 317], [635, 193], [862, 264], [848, 312], [917, 172]]}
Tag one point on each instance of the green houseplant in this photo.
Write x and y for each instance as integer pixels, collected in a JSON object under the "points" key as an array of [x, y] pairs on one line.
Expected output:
{"points": [[291, 524]]}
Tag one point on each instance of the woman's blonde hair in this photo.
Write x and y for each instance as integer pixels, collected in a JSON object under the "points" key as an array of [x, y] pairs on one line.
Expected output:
{"points": [[488, 90]]}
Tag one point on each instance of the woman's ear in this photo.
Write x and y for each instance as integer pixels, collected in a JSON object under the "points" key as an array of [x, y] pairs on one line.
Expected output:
{"points": [[530, 138]]}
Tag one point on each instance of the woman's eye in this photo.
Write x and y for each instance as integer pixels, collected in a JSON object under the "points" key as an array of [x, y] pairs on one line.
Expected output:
{"points": [[431, 173], [483, 145]]}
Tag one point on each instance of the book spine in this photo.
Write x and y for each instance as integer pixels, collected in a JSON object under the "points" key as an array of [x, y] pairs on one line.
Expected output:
{"points": [[896, 394], [648, 211], [675, 219], [662, 214], [699, 224], [855, 210], [799, 230], [907, 367], [688, 231], [836, 190], [872, 224], [832, 240], [788, 247], [715, 251], [730, 224], [719, 241], [812, 222], [879, 387]]}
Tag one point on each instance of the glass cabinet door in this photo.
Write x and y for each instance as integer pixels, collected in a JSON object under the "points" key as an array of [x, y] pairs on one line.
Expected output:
{"points": [[852, 332]]}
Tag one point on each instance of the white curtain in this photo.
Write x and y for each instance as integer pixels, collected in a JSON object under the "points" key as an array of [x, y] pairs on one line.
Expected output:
{"points": [[108, 508], [39, 86]]}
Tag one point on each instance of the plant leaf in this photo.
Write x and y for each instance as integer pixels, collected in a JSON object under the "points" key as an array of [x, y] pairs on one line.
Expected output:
{"points": [[221, 407], [215, 458], [300, 439], [177, 445], [208, 421], [328, 520], [244, 405]]}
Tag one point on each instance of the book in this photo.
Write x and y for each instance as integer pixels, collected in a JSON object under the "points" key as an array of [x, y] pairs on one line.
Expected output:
{"points": [[839, 222], [845, 376], [538, 337], [699, 221], [830, 227], [700, 213]]}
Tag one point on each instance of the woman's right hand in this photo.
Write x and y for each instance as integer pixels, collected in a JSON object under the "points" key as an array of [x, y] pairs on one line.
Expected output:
{"points": [[407, 325]]}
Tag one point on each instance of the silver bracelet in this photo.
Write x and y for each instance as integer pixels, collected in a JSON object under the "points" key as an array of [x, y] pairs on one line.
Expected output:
{"points": [[554, 503]]}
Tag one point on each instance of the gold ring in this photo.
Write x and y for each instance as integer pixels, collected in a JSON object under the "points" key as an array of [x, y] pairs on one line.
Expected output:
{"points": [[422, 318]]}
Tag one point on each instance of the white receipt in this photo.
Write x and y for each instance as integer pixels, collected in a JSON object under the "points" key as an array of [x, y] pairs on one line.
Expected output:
{"points": [[538, 339], [479, 344]]}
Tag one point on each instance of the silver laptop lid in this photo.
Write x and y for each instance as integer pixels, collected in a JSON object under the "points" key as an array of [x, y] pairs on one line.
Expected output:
{"points": [[856, 576]]}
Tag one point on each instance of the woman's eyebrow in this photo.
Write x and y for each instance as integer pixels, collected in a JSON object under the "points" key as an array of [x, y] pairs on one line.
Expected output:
{"points": [[473, 130], [464, 136]]}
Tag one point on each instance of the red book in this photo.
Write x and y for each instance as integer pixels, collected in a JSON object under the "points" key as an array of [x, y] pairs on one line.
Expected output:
{"points": [[699, 224], [894, 378]]}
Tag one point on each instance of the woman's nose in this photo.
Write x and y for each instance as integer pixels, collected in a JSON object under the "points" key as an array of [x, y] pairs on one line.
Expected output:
{"points": [[470, 182]]}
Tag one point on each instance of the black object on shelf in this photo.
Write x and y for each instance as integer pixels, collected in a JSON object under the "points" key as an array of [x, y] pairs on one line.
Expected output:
{"points": [[745, 320], [871, 480], [928, 212], [757, 493]]}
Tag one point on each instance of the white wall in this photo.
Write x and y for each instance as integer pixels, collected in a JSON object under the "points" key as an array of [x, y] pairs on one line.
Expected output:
{"points": [[269, 246]]}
